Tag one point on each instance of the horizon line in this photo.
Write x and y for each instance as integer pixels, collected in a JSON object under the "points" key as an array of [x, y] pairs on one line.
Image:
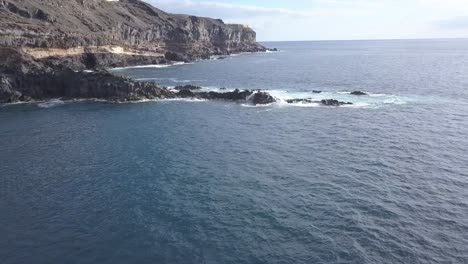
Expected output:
{"points": [[382, 39]]}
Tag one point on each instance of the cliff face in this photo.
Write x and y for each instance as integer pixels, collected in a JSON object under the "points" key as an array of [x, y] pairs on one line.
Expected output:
{"points": [[119, 29], [46, 44]]}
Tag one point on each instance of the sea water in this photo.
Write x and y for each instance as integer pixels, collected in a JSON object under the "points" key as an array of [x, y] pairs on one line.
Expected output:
{"points": [[384, 180]]}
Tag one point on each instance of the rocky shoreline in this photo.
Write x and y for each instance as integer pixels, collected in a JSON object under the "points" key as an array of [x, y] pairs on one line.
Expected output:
{"points": [[50, 51], [24, 79]]}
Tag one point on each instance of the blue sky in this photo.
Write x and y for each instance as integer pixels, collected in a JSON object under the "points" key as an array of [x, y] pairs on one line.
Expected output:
{"points": [[334, 19]]}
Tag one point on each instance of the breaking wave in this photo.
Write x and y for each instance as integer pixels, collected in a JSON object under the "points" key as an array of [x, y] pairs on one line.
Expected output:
{"points": [[195, 100], [151, 66], [371, 100], [51, 103], [173, 80], [304, 98]]}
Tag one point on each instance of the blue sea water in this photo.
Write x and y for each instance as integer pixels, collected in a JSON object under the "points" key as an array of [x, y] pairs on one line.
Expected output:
{"points": [[382, 181]]}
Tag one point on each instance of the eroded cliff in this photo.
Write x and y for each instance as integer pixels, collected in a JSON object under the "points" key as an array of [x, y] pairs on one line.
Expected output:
{"points": [[116, 33]]}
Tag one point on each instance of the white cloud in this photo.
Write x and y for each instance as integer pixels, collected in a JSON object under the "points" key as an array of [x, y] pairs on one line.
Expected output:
{"points": [[455, 23], [335, 19]]}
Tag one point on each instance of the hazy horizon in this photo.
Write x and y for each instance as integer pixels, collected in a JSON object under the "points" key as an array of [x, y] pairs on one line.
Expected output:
{"points": [[383, 39], [300, 20]]}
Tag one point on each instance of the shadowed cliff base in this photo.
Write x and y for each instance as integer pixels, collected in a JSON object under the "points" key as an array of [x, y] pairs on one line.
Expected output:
{"points": [[24, 79]]}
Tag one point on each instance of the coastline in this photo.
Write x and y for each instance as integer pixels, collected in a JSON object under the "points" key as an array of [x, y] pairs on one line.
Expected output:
{"points": [[46, 53], [52, 56]]}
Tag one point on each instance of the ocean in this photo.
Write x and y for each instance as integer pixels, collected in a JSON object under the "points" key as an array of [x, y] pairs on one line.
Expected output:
{"points": [[384, 180]]}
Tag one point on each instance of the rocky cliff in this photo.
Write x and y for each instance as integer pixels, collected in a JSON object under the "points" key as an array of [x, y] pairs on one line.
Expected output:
{"points": [[47, 45], [94, 33]]}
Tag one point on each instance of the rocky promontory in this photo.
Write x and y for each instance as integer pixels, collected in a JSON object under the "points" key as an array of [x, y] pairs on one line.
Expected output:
{"points": [[22, 78], [51, 49], [61, 49]]}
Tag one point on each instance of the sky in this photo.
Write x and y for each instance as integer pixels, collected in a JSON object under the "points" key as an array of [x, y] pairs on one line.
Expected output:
{"points": [[289, 20]]}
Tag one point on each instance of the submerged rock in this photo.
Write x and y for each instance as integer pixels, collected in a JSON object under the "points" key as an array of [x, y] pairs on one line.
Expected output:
{"points": [[316, 91], [358, 93]]}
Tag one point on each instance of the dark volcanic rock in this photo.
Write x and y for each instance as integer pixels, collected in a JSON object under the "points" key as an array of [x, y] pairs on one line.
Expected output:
{"points": [[185, 93], [7, 93], [22, 79], [262, 98], [173, 56], [235, 95], [293, 101], [333, 102], [187, 87], [358, 93], [327, 102], [316, 91]]}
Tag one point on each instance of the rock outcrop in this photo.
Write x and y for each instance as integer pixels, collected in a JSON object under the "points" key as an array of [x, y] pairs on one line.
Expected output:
{"points": [[254, 97], [187, 87], [262, 98], [333, 102], [325, 102], [24, 79]]}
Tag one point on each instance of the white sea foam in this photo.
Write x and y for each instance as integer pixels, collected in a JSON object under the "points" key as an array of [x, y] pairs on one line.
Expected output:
{"points": [[174, 80], [51, 103], [302, 104], [371, 100], [193, 100], [152, 66], [184, 99], [15, 103]]}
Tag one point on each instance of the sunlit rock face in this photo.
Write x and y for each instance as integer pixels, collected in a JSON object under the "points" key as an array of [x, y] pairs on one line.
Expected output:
{"points": [[130, 26]]}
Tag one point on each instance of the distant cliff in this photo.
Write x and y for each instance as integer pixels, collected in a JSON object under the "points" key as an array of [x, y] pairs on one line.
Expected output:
{"points": [[100, 33]]}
